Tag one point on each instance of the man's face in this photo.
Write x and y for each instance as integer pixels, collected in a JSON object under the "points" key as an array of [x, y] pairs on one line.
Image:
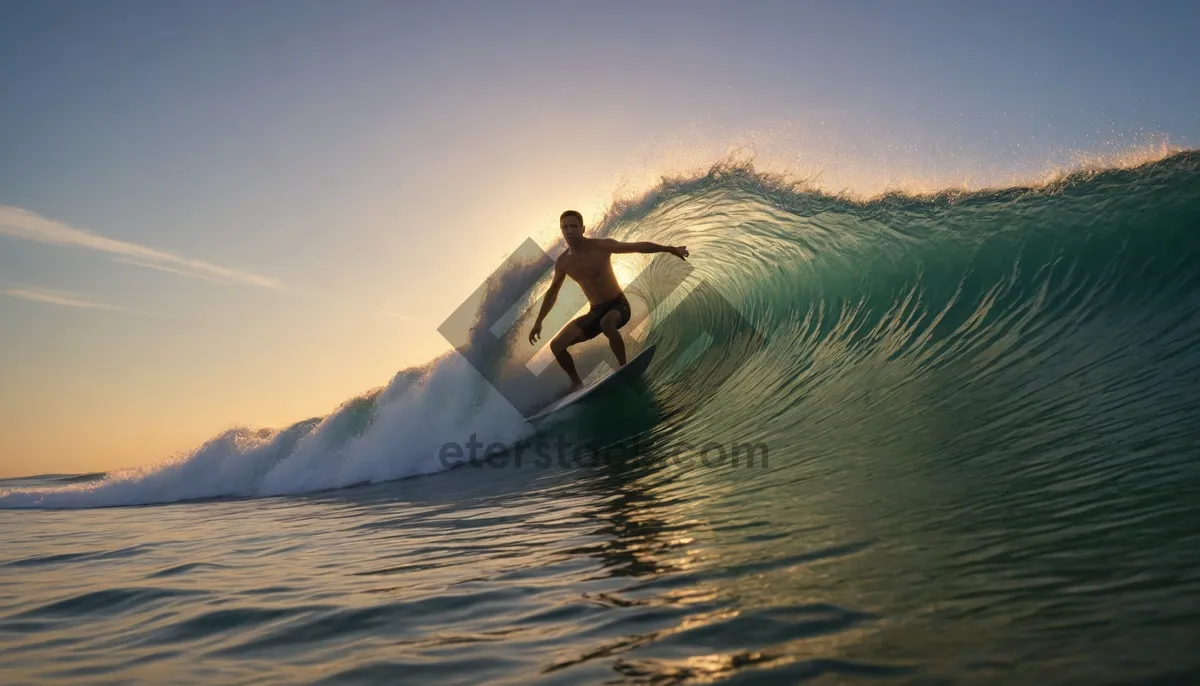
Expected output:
{"points": [[572, 229]]}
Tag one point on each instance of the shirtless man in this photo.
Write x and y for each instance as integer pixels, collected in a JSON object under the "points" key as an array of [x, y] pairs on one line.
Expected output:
{"points": [[587, 261]]}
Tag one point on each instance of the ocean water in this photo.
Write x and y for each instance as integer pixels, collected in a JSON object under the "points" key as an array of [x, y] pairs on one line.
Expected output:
{"points": [[941, 439]]}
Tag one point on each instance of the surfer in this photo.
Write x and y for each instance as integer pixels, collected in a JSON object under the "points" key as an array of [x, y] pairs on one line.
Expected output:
{"points": [[588, 262]]}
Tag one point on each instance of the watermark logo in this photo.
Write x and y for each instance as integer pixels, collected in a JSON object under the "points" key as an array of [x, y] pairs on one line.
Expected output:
{"points": [[488, 337]]}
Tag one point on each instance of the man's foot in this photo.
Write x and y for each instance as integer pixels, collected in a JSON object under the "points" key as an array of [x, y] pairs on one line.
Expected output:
{"points": [[575, 386]]}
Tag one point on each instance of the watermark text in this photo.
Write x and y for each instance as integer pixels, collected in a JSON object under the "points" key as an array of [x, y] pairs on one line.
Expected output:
{"points": [[541, 453]]}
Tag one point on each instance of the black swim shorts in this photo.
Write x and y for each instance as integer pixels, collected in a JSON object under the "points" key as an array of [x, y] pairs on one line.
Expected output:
{"points": [[590, 323]]}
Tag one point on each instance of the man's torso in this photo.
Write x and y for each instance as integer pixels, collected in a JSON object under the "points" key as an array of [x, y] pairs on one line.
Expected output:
{"points": [[591, 268]]}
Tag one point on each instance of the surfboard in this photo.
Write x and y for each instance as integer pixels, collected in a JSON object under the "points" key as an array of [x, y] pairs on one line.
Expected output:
{"points": [[631, 369]]}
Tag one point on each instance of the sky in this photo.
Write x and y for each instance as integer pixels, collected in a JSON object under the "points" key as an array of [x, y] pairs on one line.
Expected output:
{"points": [[220, 214]]}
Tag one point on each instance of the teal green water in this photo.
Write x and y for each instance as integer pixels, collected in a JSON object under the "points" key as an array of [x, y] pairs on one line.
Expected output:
{"points": [[976, 462]]}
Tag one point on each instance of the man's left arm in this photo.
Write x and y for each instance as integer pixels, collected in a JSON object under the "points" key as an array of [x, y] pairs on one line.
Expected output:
{"points": [[616, 246]]}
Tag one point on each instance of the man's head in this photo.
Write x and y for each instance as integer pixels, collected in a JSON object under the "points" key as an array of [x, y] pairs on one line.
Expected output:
{"points": [[571, 224]]}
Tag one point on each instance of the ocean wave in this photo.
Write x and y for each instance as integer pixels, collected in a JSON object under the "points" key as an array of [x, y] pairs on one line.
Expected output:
{"points": [[1084, 285]]}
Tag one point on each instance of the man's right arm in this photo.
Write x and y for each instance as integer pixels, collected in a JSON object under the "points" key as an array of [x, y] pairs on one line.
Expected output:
{"points": [[548, 302]]}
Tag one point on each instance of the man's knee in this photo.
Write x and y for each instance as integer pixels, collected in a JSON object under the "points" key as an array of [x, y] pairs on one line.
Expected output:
{"points": [[561, 342], [610, 324]]}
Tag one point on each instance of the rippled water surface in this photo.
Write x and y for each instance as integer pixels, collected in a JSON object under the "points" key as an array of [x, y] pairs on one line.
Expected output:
{"points": [[975, 460]]}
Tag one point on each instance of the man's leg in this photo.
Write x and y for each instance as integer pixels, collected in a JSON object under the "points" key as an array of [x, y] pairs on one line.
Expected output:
{"points": [[610, 325], [570, 335]]}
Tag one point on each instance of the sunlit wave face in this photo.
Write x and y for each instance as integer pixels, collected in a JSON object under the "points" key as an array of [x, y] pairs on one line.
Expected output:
{"points": [[625, 271]]}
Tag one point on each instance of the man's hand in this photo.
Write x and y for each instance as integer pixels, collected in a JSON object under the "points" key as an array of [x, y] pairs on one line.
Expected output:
{"points": [[535, 332], [679, 251]]}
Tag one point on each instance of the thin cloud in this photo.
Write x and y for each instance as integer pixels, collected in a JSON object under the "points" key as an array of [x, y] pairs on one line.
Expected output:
{"points": [[20, 223], [58, 299], [397, 315], [68, 300], [169, 270]]}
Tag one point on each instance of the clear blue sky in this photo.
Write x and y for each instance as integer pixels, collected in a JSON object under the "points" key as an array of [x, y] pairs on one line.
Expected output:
{"points": [[215, 213]]}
